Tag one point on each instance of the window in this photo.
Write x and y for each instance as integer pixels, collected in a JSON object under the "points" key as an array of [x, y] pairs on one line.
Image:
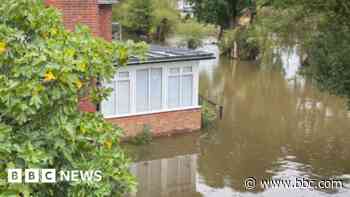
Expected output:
{"points": [[180, 87], [119, 101], [187, 87], [148, 89], [108, 106], [123, 93], [174, 91], [142, 90], [156, 88]]}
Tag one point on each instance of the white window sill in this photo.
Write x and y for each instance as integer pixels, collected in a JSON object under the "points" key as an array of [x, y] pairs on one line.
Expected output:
{"points": [[153, 112]]}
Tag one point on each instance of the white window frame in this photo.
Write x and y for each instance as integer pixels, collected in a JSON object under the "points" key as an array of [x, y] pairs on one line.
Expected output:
{"points": [[149, 71], [181, 74], [118, 78], [165, 76]]}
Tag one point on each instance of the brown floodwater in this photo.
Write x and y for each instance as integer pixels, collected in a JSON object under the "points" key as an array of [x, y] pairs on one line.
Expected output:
{"points": [[275, 125]]}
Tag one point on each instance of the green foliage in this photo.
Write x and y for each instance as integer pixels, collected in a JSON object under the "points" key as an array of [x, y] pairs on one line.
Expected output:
{"points": [[334, 10], [166, 17], [135, 15], [320, 29], [145, 137], [247, 45], [192, 33], [220, 12], [209, 115], [156, 18], [330, 61], [43, 70]]}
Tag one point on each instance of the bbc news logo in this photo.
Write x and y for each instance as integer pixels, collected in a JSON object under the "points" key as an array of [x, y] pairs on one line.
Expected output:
{"points": [[52, 176]]}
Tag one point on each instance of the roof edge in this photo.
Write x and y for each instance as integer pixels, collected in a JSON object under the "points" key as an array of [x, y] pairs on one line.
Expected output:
{"points": [[167, 60], [106, 2]]}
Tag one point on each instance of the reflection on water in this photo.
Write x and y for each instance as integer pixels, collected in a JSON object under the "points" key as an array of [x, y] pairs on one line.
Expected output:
{"points": [[275, 125], [166, 177]]}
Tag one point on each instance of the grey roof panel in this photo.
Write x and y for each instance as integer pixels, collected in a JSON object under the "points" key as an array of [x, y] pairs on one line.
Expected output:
{"points": [[157, 54], [107, 2]]}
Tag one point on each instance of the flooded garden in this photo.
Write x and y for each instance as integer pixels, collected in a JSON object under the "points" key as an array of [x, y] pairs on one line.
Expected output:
{"points": [[275, 124]]}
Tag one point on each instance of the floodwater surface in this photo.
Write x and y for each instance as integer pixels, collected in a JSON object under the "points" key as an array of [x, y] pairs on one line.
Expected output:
{"points": [[275, 125]]}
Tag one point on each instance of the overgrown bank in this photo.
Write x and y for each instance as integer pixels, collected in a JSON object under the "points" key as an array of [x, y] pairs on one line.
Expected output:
{"points": [[257, 30]]}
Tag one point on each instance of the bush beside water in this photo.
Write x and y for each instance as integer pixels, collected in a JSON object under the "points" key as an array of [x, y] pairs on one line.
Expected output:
{"points": [[192, 33], [145, 137], [209, 115], [247, 47]]}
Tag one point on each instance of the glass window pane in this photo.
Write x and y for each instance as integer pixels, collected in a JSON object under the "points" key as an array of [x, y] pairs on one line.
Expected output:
{"points": [[141, 90], [123, 74], [187, 90], [108, 107], [174, 91], [123, 94], [187, 69], [174, 70], [156, 88]]}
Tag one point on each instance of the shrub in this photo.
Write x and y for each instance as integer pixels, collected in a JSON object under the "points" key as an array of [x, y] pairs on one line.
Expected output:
{"points": [[247, 46], [43, 70], [156, 18], [209, 115], [166, 17], [192, 33], [329, 60], [145, 137], [135, 15]]}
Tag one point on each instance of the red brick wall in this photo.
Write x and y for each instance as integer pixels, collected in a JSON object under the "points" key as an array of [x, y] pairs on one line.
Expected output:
{"points": [[163, 123], [87, 12], [105, 21]]}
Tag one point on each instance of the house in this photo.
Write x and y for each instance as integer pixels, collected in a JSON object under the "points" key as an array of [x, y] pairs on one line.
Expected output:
{"points": [[160, 92]]}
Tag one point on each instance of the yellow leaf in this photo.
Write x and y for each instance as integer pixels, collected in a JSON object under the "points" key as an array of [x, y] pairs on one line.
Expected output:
{"points": [[53, 31], [49, 76], [79, 84], [82, 67], [108, 144], [2, 47]]}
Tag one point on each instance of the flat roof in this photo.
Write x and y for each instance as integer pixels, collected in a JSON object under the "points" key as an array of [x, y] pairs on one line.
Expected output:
{"points": [[158, 54]]}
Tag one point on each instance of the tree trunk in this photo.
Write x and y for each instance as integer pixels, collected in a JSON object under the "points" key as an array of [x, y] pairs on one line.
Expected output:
{"points": [[221, 33], [235, 50]]}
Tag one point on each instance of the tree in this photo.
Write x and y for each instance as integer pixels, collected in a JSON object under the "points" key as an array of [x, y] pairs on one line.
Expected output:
{"points": [[136, 16], [43, 70], [329, 60], [166, 18], [324, 38], [192, 33], [154, 18], [223, 13]]}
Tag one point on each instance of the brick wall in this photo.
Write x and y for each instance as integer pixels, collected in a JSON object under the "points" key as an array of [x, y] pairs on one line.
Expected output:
{"points": [[105, 21], [162, 124], [87, 12]]}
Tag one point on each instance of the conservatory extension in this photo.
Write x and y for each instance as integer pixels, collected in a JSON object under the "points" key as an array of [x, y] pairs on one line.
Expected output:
{"points": [[160, 92]]}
